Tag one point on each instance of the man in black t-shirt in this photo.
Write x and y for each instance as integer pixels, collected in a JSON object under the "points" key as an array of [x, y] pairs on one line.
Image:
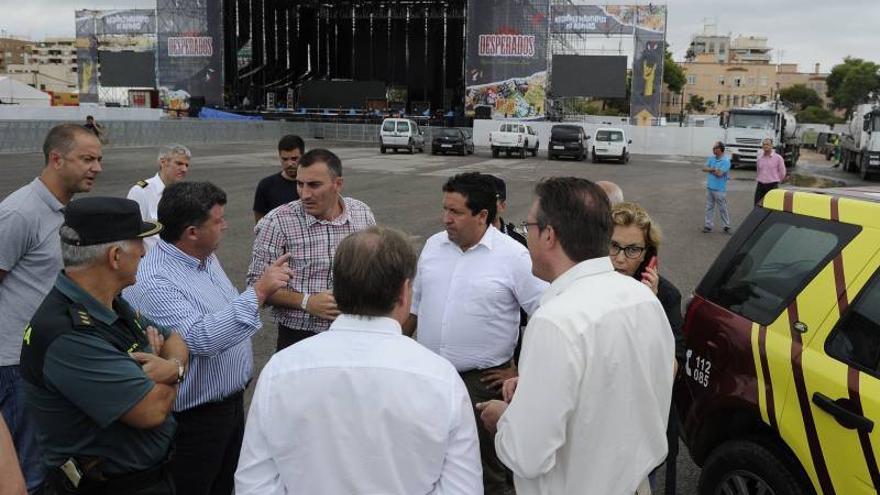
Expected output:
{"points": [[280, 188]]}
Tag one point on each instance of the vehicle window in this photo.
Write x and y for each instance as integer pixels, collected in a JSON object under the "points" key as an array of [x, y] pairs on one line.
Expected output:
{"points": [[452, 133], [856, 338], [565, 133], [403, 127], [388, 126], [609, 136], [508, 128], [776, 262]]}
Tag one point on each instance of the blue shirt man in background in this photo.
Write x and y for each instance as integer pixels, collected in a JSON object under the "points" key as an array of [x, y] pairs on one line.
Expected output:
{"points": [[717, 167]]}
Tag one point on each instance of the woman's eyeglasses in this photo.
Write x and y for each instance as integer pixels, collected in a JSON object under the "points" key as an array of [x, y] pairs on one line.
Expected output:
{"points": [[631, 252]]}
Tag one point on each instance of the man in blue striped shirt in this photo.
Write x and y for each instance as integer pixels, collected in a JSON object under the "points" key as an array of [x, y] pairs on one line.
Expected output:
{"points": [[181, 285]]}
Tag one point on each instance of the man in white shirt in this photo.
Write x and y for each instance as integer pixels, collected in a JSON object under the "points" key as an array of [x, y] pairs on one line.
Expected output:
{"points": [[361, 409], [472, 281], [592, 399], [173, 167]]}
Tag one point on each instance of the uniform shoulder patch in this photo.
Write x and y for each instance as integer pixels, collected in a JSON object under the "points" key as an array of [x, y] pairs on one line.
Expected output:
{"points": [[142, 183], [80, 317]]}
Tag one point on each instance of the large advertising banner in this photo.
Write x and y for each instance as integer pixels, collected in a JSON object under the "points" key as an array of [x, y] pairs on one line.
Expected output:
{"points": [[506, 64], [607, 19], [132, 30], [190, 52], [647, 78]]}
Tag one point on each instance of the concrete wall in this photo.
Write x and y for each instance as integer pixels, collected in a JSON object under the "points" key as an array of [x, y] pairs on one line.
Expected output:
{"points": [[28, 135], [670, 140]]}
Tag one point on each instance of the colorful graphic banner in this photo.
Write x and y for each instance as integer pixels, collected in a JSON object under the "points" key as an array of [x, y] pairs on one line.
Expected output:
{"points": [[506, 66], [647, 78], [608, 19]]}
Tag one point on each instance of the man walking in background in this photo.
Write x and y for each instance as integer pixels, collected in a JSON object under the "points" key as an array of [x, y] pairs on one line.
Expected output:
{"points": [[771, 170], [717, 169]]}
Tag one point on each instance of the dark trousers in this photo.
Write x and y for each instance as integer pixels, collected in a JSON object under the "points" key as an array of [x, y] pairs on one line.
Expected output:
{"points": [[496, 477], [762, 189], [288, 336], [207, 446], [152, 482]]}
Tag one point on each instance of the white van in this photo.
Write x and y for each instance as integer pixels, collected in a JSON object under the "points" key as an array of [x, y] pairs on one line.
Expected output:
{"points": [[611, 142], [401, 134]]}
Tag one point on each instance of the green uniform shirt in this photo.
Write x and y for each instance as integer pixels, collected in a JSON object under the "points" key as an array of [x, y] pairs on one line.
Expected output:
{"points": [[80, 379]]}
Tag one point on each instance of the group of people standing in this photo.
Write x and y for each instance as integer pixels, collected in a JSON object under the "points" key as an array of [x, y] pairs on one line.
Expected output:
{"points": [[127, 349]]}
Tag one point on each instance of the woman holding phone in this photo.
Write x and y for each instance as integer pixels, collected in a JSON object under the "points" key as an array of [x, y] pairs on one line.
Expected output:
{"points": [[634, 248]]}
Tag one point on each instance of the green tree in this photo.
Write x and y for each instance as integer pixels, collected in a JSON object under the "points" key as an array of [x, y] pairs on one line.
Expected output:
{"points": [[817, 115], [673, 75], [801, 96], [695, 104], [850, 82]]}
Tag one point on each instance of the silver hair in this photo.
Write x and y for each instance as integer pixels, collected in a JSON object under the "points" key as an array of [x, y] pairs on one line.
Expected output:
{"points": [[173, 149], [74, 256]]}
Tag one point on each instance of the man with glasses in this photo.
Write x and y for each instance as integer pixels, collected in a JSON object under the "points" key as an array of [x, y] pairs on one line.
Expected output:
{"points": [[717, 169], [173, 167], [588, 413], [470, 284]]}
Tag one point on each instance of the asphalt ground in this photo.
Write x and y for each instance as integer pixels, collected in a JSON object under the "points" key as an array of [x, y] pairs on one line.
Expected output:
{"points": [[404, 192]]}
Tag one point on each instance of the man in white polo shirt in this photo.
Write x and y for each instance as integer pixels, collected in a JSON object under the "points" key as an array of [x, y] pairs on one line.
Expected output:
{"points": [[472, 281]]}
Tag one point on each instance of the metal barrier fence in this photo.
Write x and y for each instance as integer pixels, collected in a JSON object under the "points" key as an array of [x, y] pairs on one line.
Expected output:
{"points": [[28, 136]]}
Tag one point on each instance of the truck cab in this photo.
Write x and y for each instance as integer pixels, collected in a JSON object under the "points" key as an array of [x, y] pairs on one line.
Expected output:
{"points": [[746, 129]]}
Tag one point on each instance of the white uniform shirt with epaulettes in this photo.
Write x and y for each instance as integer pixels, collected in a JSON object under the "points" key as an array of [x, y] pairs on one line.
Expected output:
{"points": [[147, 194]]}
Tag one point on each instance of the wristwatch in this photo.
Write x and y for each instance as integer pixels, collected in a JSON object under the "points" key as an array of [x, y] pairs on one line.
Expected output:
{"points": [[181, 371], [305, 302]]}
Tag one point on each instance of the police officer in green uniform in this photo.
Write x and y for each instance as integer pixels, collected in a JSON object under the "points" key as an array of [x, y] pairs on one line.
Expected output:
{"points": [[100, 379]]}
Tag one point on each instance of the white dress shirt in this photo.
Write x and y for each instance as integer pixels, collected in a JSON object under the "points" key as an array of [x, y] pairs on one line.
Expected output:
{"points": [[359, 409], [147, 197], [468, 302], [589, 414]]}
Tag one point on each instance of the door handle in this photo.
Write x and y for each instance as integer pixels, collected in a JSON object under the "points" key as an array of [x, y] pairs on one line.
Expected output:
{"points": [[842, 414]]}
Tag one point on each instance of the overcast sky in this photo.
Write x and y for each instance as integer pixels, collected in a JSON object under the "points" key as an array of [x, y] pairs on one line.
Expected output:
{"points": [[800, 31]]}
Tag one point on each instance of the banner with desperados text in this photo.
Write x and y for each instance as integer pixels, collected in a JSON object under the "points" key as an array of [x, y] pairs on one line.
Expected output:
{"points": [[506, 63]]}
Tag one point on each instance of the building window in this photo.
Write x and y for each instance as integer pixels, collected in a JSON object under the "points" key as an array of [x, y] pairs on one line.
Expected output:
{"points": [[721, 80], [735, 100], [764, 81], [692, 80], [737, 81], [728, 100], [711, 47], [719, 98]]}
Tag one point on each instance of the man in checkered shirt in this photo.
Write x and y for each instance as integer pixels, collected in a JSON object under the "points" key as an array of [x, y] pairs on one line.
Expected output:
{"points": [[309, 228]]}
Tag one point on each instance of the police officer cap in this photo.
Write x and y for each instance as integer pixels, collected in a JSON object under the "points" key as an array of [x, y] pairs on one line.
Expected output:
{"points": [[99, 220]]}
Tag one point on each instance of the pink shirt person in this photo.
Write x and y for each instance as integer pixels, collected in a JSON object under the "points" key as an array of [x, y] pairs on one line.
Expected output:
{"points": [[771, 168]]}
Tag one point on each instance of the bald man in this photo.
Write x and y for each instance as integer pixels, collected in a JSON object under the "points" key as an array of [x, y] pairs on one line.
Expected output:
{"points": [[612, 190]]}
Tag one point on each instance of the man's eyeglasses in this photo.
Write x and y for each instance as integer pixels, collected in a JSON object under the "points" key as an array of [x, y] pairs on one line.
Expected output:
{"points": [[524, 225], [631, 252]]}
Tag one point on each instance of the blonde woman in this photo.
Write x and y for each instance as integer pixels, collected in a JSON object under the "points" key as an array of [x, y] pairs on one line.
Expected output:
{"points": [[635, 243]]}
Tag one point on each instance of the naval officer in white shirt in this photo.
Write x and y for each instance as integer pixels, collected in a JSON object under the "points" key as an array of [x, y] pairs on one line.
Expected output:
{"points": [[589, 410], [173, 167], [361, 409], [472, 281]]}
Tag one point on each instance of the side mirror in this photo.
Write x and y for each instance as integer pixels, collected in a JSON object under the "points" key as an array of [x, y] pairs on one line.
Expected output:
{"points": [[588, 136], [629, 142]]}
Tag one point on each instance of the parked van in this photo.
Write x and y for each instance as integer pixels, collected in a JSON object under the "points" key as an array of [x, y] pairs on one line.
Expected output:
{"points": [[611, 142], [398, 134]]}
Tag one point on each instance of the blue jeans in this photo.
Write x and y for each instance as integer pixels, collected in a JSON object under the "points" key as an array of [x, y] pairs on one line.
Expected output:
{"points": [[22, 426], [716, 198]]}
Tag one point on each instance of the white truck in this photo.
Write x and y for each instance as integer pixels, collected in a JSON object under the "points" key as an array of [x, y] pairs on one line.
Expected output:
{"points": [[746, 128], [514, 137], [860, 141]]}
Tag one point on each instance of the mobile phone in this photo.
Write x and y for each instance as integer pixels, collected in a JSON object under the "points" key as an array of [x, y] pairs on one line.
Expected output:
{"points": [[652, 263]]}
